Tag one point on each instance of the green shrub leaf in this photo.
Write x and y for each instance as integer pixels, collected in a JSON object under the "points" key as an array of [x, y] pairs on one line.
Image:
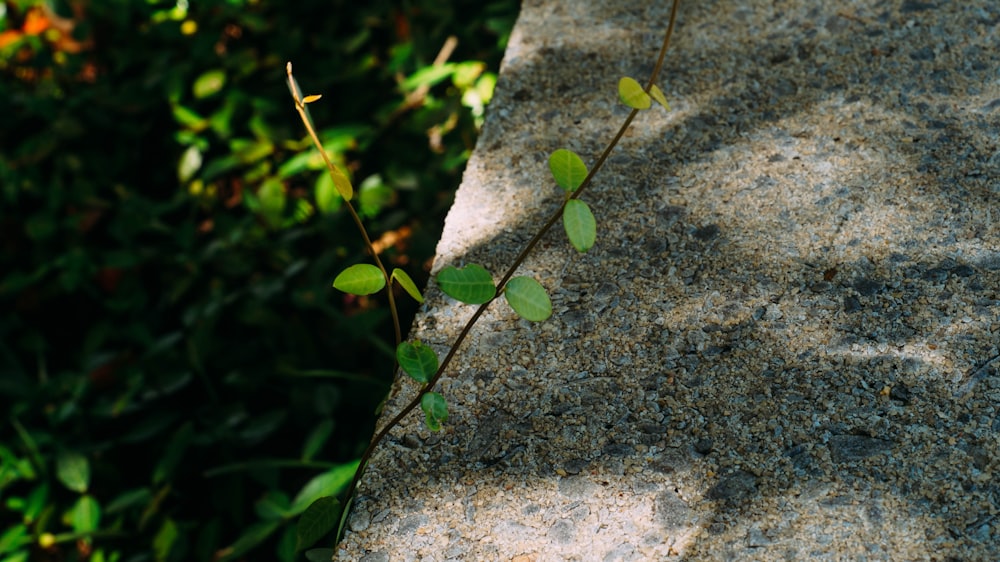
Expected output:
{"points": [[417, 360], [317, 521], [580, 225], [632, 94], [472, 284], [528, 299], [209, 83], [341, 182], [360, 279], [657, 94], [85, 516], [435, 410], [407, 284], [330, 483], [568, 169], [73, 471], [165, 539]]}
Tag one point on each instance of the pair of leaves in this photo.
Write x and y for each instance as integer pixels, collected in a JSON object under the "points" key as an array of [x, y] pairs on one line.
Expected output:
{"points": [[421, 363], [633, 95], [472, 284], [570, 172], [365, 279]]}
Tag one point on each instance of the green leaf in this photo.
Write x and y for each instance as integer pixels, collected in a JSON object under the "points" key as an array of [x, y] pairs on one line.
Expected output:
{"points": [[417, 360], [341, 182], [360, 279], [580, 225], [657, 94], [189, 164], [317, 439], [330, 483], [632, 94], [73, 471], [209, 83], [165, 538], [327, 197], [407, 284], [568, 169], [428, 76], [528, 299], [317, 521], [273, 505], [85, 515], [13, 538], [435, 409], [272, 201], [320, 555], [472, 284], [256, 534], [131, 498]]}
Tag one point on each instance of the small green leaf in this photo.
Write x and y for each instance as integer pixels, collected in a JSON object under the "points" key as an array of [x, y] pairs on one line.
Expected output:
{"points": [[407, 284], [330, 483], [435, 409], [73, 471], [85, 516], [173, 454], [417, 360], [328, 199], [317, 521], [272, 201], [165, 538], [632, 94], [273, 505], [580, 225], [568, 169], [657, 94], [189, 164], [472, 284], [209, 83], [360, 279], [342, 183], [528, 299], [317, 439]]}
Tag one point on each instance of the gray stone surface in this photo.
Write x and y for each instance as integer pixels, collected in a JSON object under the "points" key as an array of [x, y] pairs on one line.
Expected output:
{"points": [[784, 344]]}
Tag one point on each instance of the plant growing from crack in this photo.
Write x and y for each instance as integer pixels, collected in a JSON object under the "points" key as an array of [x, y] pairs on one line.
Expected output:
{"points": [[471, 284]]}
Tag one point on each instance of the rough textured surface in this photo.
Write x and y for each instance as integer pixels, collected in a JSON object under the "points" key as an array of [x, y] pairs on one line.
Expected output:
{"points": [[784, 344]]}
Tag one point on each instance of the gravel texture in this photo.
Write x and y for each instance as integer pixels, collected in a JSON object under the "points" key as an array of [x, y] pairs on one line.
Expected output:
{"points": [[784, 345]]}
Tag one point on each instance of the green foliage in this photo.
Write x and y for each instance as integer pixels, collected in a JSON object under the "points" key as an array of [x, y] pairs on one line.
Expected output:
{"points": [[580, 225], [471, 284], [632, 94], [528, 299], [168, 236], [435, 410], [417, 360], [568, 169]]}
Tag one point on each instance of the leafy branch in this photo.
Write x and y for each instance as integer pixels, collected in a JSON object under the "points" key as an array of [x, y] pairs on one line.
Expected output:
{"points": [[473, 284]]}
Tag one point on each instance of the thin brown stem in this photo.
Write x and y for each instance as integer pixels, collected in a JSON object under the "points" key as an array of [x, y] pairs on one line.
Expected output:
{"points": [[521, 257]]}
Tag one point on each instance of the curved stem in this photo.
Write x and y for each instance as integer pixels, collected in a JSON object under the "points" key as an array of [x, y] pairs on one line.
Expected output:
{"points": [[518, 261]]}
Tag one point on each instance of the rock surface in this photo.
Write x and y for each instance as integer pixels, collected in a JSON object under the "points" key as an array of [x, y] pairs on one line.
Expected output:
{"points": [[784, 344]]}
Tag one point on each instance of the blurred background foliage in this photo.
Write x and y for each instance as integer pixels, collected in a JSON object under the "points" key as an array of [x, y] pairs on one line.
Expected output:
{"points": [[178, 379]]}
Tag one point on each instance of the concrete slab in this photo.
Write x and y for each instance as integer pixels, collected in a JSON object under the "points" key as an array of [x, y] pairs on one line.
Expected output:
{"points": [[784, 344]]}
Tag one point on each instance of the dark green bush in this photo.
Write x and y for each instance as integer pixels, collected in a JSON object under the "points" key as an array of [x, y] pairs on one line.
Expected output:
{"points": [[179, 380]]}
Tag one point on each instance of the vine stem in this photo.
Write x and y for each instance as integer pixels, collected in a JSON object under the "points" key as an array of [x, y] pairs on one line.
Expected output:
{"points": [[521, 257]]}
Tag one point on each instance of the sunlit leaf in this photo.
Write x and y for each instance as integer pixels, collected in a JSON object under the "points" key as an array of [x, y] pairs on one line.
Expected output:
{"points": [[471, 284], [317, 521], [360, 279], [435, 410], [417, 360], [580, 225], [85, 516], [568, 169], [312, 98], [632, 94], [330, 483], [342, 183], [407, 284], [328, 200], [189, 164], [657, 94], [428, 76], [209, 83], [73, 470], [165, 538], [528, 299]]}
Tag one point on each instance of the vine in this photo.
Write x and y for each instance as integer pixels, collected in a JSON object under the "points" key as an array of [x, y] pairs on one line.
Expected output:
{"points": [[471, 284]]}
